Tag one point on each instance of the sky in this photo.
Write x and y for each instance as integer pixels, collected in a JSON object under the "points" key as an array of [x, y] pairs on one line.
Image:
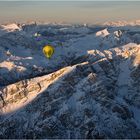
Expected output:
{"points": [[68, 12], [69, 0]]}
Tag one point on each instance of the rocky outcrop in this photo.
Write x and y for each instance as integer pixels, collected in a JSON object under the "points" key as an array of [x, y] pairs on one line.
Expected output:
{"points": [[87, 100]]}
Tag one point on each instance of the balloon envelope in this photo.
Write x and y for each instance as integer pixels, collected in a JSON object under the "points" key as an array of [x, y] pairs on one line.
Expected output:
{"points": [[48, 51]]}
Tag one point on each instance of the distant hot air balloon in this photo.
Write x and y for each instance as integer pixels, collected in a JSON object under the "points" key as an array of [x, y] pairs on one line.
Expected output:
{"points": [[37, 35], [48, 51]]}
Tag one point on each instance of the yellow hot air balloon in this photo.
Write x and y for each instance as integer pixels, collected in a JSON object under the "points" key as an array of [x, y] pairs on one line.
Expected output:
{"points": [[48, 51]]}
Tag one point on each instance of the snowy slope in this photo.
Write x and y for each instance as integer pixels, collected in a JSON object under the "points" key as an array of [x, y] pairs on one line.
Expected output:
{"points": [[89, 88]]}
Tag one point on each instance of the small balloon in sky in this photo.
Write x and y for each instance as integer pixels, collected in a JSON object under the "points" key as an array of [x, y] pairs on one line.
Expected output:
{"points": [[37, 35]]}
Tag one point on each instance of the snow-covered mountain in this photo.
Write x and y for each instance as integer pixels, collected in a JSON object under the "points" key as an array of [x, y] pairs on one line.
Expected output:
{"points": [[88, 89]]}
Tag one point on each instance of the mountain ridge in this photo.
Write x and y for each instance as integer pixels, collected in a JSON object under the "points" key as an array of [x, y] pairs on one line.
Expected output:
{"points": [[89, 89]]}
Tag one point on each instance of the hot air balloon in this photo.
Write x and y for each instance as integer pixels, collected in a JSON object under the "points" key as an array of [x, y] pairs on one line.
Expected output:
{"points": [[48, 51]]}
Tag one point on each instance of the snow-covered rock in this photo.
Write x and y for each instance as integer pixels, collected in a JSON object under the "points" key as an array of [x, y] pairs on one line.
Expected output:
{"points": [[88, 89], [102, 33], [10, 27]]}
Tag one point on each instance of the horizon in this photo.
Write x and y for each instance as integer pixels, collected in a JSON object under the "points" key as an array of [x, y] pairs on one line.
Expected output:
{"points": [[68, 11]]}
